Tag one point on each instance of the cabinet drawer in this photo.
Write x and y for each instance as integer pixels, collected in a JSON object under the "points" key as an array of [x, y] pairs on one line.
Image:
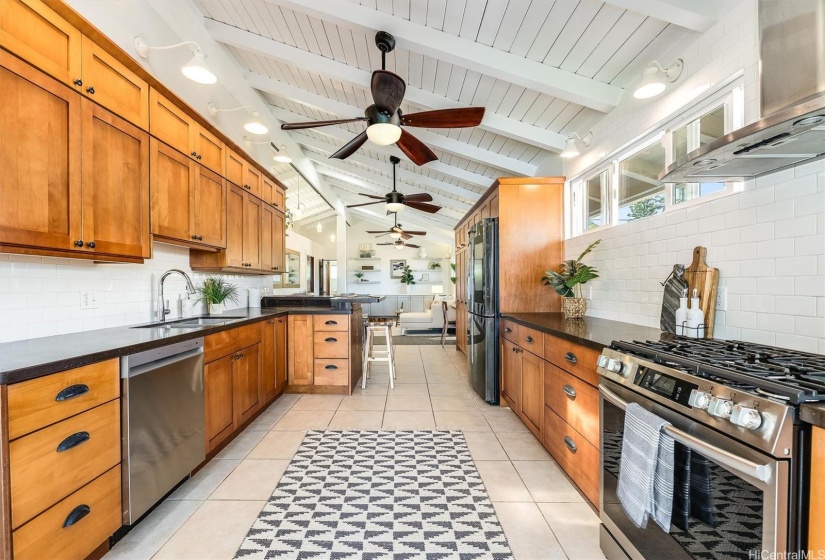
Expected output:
{"points": [[331, 372], [46, 400], [531, 340], [331, 322], [575, 358], [574, 400], [331, 344], [50, 464], [64, 531], [578, 458], [224, 343], [509, 330]]}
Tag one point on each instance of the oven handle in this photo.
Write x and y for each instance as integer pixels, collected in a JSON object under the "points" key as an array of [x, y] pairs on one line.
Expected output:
{"points": [[737, 464]]}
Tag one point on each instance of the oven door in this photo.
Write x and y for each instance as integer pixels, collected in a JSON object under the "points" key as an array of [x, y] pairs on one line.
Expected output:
{"points": [[730, 501]]}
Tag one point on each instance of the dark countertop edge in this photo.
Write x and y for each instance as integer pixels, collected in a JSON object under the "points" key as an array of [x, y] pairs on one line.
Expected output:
{"points": [[585, 329], [813, 414], [18, 375]]}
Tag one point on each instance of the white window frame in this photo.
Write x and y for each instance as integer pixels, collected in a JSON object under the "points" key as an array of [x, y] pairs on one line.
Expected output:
{"points": [[658, 138]]}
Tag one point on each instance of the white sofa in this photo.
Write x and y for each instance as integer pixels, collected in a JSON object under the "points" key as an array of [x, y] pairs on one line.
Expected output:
{"points": [[431, 318]]}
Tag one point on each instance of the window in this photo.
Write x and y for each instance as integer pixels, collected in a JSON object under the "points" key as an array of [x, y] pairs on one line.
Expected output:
{"points": [[640, 192], [692, 136], [595, 200]]}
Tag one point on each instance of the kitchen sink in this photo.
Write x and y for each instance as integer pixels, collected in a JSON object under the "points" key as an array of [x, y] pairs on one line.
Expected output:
{"points": [[192, 322]]}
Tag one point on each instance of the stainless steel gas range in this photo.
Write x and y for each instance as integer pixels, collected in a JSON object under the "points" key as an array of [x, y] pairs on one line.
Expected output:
{"points": [[740, 461]]}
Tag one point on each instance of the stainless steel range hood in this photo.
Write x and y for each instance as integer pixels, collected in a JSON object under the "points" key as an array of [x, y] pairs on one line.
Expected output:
{"points": [[792, 95]]}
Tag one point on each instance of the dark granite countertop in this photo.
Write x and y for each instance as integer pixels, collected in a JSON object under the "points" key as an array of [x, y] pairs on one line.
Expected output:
{"points": [[813, 414], [36, 357], [592, 332]]}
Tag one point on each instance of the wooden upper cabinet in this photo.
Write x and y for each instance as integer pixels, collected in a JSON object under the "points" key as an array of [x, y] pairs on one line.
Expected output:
{"points": [[40, 147], [252, 224], [115, 185], [171, 179], [278, 243], [209, 202], [279, 201], [267, 229], [169, 123], [252, 179], [37, 34], [235, 209], [234, 167], [267, 190], [110, 83], [208, 150]]}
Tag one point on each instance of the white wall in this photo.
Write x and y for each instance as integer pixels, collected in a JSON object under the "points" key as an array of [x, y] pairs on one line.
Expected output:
{"points": [[767, 241]]}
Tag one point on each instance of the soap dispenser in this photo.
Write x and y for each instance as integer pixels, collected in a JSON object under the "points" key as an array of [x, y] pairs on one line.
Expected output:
{"points": [[681, 313], [695, 317]]}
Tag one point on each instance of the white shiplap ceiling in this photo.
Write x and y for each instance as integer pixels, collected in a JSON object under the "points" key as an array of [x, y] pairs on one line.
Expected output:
{"points": [[543, 69]]}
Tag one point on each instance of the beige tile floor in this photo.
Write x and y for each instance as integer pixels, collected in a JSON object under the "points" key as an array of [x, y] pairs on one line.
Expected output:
{"points": [[542, 513]]}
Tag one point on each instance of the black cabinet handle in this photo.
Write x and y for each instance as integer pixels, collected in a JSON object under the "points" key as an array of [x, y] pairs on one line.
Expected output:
{"points": [[200, 238], [571, 357], [73, 441], [330, 367], [330, 339], [90, 90], [331, 323], [529, 340], [91, 245], [78, 243], [194, 154], [71, 392], [76, 515], [569, 391], [571, 445], [78, 82], [199, 157], [508, 330]]}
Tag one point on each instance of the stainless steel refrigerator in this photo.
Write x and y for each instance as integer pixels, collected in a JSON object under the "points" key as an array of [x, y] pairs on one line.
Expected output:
{"points": [[482, 292]]}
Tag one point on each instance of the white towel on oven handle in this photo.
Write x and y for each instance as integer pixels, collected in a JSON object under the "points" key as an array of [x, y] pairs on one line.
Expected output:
{"points": [[646, 468]]}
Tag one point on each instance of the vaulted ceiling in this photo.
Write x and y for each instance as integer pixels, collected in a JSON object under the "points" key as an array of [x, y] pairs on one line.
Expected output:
{"points": [[543, 69]]}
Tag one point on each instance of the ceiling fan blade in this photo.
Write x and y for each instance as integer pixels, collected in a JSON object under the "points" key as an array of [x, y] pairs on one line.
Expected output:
{"points": [[373, 196], [350, 147], [411, 246], [382, 235], [387, 90], [365, 204], [416, 232], [406, 235], [374, 232], [385, 243], [418, 197], [423, 206], [445, 118], [315, 124], [415, 149]]}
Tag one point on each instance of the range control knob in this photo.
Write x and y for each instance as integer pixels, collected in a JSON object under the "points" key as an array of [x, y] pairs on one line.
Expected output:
{"points": [[602, 361], [698, 399], [748, 418], [614, 365], [720, 407]]}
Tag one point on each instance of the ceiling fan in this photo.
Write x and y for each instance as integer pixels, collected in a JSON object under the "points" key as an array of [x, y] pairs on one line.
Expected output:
{"points": [[385, 119], [400, 244], [395, 200], [396, 232]]}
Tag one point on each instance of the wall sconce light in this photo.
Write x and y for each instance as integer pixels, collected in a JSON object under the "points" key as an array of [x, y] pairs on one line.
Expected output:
{"points": [[655, 78], [255, 126], [571, 148], [281, 154], [196, 69]]}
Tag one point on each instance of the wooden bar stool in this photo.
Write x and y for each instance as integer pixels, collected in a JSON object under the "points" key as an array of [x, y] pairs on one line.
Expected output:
{"points": [[382, 327]]}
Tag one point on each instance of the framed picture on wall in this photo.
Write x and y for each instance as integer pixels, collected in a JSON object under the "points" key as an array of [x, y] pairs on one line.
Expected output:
{"points": [[397, 267]]}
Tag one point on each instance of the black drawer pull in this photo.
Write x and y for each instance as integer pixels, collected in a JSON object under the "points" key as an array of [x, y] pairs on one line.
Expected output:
{"points": [[571, 357], [90, 90], [76, 515], [73, 441], [71, 392], [569, 391], [571, 445], [529, 340], [331, 323], [330, 367], [508, 330], [330, 339]]}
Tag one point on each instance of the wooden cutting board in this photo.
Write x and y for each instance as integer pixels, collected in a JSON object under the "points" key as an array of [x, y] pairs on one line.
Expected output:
{"points": [[705, 281]]}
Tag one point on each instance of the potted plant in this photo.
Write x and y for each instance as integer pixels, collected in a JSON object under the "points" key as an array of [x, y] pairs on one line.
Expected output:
{"points": [[215, 290], [568, 280], [360, 276], [407, 278], [452, 276], [434, 265]]}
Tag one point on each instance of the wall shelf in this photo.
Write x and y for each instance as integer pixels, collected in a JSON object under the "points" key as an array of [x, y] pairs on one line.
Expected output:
{"points": [[357, 282], [365, 259]]}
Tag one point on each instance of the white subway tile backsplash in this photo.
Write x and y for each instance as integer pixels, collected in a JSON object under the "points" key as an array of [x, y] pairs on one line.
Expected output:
{"points": [[775, 248], [810, 326], [809, 286], [795, 342], [780, 210], [802, 306], [795, 227]]}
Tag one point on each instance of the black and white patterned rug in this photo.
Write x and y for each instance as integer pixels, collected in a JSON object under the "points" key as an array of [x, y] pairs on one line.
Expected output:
{"points": [[379, 494]]}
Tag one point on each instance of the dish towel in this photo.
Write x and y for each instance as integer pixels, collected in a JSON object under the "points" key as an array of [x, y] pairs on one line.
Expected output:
{"points": [[693, 490], [646, 468]]}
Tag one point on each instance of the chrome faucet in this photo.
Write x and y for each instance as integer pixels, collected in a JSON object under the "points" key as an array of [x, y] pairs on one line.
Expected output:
{"points": [[163, 306]]}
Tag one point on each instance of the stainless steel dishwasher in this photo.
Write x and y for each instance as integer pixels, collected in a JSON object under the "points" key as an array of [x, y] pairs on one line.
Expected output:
{"points": [[163, 422]]}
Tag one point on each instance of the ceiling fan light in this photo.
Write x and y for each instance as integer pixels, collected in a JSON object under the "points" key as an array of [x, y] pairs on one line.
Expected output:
{"points": [[399, 246], [198, 71], [570, 148], [394, 207], [383, 134], [395, 235]]}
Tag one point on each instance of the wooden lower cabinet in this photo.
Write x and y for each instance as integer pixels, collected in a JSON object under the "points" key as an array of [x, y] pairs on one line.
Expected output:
{"points": [[269, 382], [280, 353], [532, 391], [300, 367], [576, 402], [218, 400], [511, 375], [577, 456], [246, 372], [816, 521], [324, 352]]}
